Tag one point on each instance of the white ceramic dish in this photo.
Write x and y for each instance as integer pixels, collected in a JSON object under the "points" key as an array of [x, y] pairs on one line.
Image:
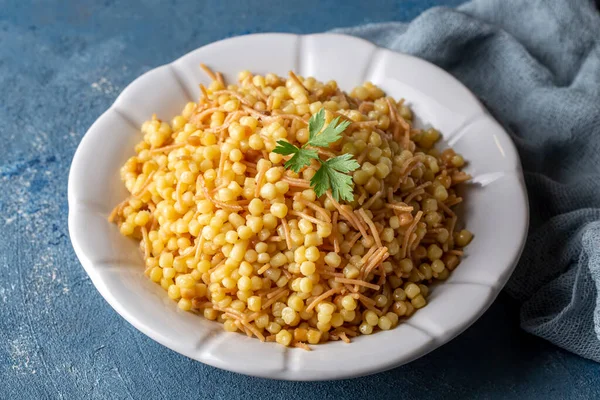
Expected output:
{"points": [[496, 208]]}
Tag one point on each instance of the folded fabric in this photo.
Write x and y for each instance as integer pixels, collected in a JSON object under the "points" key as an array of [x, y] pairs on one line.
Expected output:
{"points": [[536, 67]]}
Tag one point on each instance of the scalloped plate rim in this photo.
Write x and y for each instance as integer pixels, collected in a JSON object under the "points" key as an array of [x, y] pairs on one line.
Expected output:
{"points": [[373, 367]]}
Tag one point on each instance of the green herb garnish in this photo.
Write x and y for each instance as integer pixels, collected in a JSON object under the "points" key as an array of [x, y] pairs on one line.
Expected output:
{"points": [[333, 173]]}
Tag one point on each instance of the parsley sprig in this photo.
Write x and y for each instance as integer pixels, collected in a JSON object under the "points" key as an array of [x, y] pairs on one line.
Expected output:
{"points": [[333, 173]]}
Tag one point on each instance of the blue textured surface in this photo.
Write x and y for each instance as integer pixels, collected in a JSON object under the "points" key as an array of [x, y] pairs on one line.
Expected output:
{"points": [[62, 63]]}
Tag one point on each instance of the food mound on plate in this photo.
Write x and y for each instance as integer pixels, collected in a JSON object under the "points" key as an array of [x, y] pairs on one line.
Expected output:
{"points": [[291, 211]]}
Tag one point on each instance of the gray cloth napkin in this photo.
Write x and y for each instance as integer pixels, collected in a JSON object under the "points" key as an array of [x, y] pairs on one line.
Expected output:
{"points": [[536, 66]]}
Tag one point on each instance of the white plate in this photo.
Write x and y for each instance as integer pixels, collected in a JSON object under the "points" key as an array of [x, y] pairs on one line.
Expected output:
{"points": [[496, 208]]}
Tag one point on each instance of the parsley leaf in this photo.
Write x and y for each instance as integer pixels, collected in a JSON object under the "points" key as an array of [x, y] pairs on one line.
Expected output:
{"points": [[333, 175], [301, 157], [332, 133], [315, 124], [344, 163], [285, 148], [321, 181]]}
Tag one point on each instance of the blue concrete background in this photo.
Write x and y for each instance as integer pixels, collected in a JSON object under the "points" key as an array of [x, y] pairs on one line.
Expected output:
{"points": [[62, 63]]}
